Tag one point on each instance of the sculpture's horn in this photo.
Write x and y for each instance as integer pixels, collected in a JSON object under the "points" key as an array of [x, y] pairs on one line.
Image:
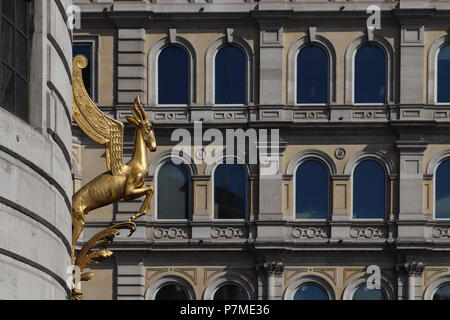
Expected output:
{"points": [[136, 110], [141, 108]]}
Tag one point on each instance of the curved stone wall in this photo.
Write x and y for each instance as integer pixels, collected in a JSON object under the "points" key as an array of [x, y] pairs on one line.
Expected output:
{"points": [[35, 167]]}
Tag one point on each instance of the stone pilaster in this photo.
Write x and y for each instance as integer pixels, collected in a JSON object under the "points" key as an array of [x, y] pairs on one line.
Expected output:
{"points": [[130, 65], [414, 271], [130, 279], [410, 219], [274, 275], [411, 64]]}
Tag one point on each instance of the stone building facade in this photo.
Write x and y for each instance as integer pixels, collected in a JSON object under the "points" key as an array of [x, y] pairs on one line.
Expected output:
{"points": [[271, 254], [35, 149]]}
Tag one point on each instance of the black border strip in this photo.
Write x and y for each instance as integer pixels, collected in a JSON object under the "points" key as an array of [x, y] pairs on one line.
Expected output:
{"points": [[65, 107], [39, 219], [37, 266], [42, 173], [61, 145], [58, 49]]}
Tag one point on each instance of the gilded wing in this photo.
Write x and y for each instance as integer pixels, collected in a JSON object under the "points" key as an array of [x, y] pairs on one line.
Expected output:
{"points": [[94, 123]]}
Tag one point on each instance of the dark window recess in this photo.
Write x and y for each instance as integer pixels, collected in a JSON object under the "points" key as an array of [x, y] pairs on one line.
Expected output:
{"points": [[14, 53], [312, 75], [443, 75], [86, 50], [310, 291], [230, 76], [364, 293], [173, 76], [173, 191], [230, 292], [311, 191], [230, 192], [442, 193], [370, 75], [443, 292], [369, 191], [171, 292]]}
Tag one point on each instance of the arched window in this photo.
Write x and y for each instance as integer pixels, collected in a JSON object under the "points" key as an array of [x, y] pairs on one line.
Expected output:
{"points": [[173, 76], [369, 191], [230, 292], [171, 292], [370, 75], [443, 74], [311, 191], [230, 76], [442, 192], [312, 75], [364, 293], [230, 192], [173, 191], [310, 291], [443, 292]]}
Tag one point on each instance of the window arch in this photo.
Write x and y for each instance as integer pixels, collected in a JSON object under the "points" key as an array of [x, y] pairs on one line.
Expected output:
{"points": [[364, 293], [312, 190], [442, 292], [356, 289], [370, 81], [176, 286], [181, 45], [173, 76], [312, 75], [443, 74], [442, 191], [171, 291], [230, 76], [230, 291], [350, 72], [230, 191], [234, 43], [310, 291], [369, 199], [173, 191]]}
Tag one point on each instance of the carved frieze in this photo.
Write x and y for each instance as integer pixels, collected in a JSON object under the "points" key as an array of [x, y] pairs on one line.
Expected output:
{"points": [[171, 233], [368, 232], [315, 232], [229, 233]]}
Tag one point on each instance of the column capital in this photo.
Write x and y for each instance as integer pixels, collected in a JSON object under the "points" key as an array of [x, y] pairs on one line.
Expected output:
{"points": [[274, 268], [413, 268]]}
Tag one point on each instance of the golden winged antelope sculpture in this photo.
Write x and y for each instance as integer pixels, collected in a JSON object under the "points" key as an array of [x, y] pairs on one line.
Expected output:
{"points": [[121, 181]]}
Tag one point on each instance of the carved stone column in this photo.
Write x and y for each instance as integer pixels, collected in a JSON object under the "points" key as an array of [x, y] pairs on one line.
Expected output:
{"points": [[414, 271], [274, 271]]}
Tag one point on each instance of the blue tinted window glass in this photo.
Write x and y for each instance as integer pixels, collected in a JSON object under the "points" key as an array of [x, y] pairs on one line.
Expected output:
{"points": [[442, 199], [86, 50], [230, 188], [443, 75], [369, 191], [310, 292], [230, 76], [443, 293], [171, 292], [230, 292], [364, 293], [311, 191], [173, 191], [173, 76], [370, 75], [312, 75]]}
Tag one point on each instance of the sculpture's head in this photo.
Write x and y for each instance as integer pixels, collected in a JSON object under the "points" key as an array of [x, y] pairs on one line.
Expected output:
{"points": [[141, 122]]}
